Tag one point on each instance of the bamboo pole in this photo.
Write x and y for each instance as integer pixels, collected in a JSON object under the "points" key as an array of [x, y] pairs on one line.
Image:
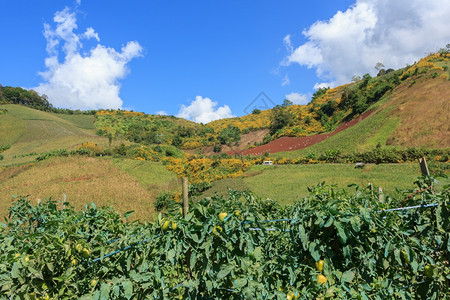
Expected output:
{"points": [[185, 196]]}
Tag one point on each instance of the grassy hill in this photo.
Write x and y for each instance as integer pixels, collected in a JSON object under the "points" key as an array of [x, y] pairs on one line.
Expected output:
{"points": [[30, 131], [124, 184], [410, 108], [415, 113]]}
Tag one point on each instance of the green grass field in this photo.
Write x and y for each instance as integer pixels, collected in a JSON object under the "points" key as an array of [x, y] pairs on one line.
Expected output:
{"points": [[150, 174], [287, 183], [82, 121], [28, 131]]}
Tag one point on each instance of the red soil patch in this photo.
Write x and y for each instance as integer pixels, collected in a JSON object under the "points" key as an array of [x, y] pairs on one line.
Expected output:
{"points": [[294, 143]]}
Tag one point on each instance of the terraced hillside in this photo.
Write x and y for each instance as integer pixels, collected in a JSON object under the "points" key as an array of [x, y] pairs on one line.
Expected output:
{"points": [[29, 131]]}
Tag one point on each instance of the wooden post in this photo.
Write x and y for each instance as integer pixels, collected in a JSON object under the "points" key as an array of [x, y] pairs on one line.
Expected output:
{"points": [[370, 187], [424, 166], [185, 186], [185, 196], [64, 201], [380, 194]]}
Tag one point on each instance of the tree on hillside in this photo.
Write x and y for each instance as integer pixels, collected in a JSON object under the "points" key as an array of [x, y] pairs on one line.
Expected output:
{"points": [[319, 92], [379, 66], [1, 94], [280, 117], [177, 141], [17, 95], [229, 135], [287, 103]]}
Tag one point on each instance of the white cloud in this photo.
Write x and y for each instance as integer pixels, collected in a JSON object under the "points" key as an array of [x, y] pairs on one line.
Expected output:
{"points": [[297, 98], [395, 33], [161, 113], [285, 80], [321, 85], [91, 34], [82, 81], [203, 110], [288, 44]]}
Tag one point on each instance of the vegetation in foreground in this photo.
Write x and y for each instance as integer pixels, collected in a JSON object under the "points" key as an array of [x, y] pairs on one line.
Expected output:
{"points": [[328, 245]]}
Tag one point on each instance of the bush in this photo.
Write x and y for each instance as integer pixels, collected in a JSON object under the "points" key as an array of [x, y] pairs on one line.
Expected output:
{"points": [[53, 153], [164, 201], [217, 148]]}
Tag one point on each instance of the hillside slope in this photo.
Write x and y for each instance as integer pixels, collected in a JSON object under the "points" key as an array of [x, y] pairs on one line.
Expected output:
{"points": [[124, 184], [30, 131], [415, 113]]}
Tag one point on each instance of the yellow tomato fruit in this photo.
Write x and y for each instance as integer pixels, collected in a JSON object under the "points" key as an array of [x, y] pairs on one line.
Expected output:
{"points": [[165, 225], [74, 262], [236, 213], [405, 256], [174, 226], [429, 271], [216, 230], [27, 258], [16, 255], [93, 282], [79, 248], [85, 253], [222, 216], [319, 265], [321, 279]]}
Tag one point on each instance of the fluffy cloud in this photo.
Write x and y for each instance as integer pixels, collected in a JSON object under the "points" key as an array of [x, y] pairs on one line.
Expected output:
{"points": [[297, 98], [395, 33], [285, 80], [82, 81], [203, 110], [162, 113]]}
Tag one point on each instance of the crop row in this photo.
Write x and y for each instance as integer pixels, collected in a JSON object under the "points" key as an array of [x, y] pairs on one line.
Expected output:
{"points": [[327, 245]]}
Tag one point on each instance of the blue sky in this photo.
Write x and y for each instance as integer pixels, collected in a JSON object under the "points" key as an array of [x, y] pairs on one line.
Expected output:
{"points": [[204, 60]]}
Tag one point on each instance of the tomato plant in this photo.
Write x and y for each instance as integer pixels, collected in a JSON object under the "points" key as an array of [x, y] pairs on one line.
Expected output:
{"points": [[329, 244]]}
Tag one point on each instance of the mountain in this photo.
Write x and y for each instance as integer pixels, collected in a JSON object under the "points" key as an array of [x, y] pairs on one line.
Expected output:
{"points": [[401, 108]]}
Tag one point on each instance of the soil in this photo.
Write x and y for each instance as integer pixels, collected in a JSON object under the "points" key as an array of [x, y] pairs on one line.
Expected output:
{"points": [[294, 143]]}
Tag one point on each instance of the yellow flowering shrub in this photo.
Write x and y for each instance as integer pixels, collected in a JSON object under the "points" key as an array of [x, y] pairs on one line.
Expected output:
{"points": [[191, 144], [203, 169], [91, 148]]}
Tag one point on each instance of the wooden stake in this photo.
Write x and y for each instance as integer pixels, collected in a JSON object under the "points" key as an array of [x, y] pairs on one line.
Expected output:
{"points": [[64, 201], [424, 166], [380, 194], [185, 186], [185, 196]]}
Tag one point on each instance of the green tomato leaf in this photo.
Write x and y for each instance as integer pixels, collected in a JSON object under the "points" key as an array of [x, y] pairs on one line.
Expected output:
{"points": [[348, 276], [224, 271], [128, 289]]}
